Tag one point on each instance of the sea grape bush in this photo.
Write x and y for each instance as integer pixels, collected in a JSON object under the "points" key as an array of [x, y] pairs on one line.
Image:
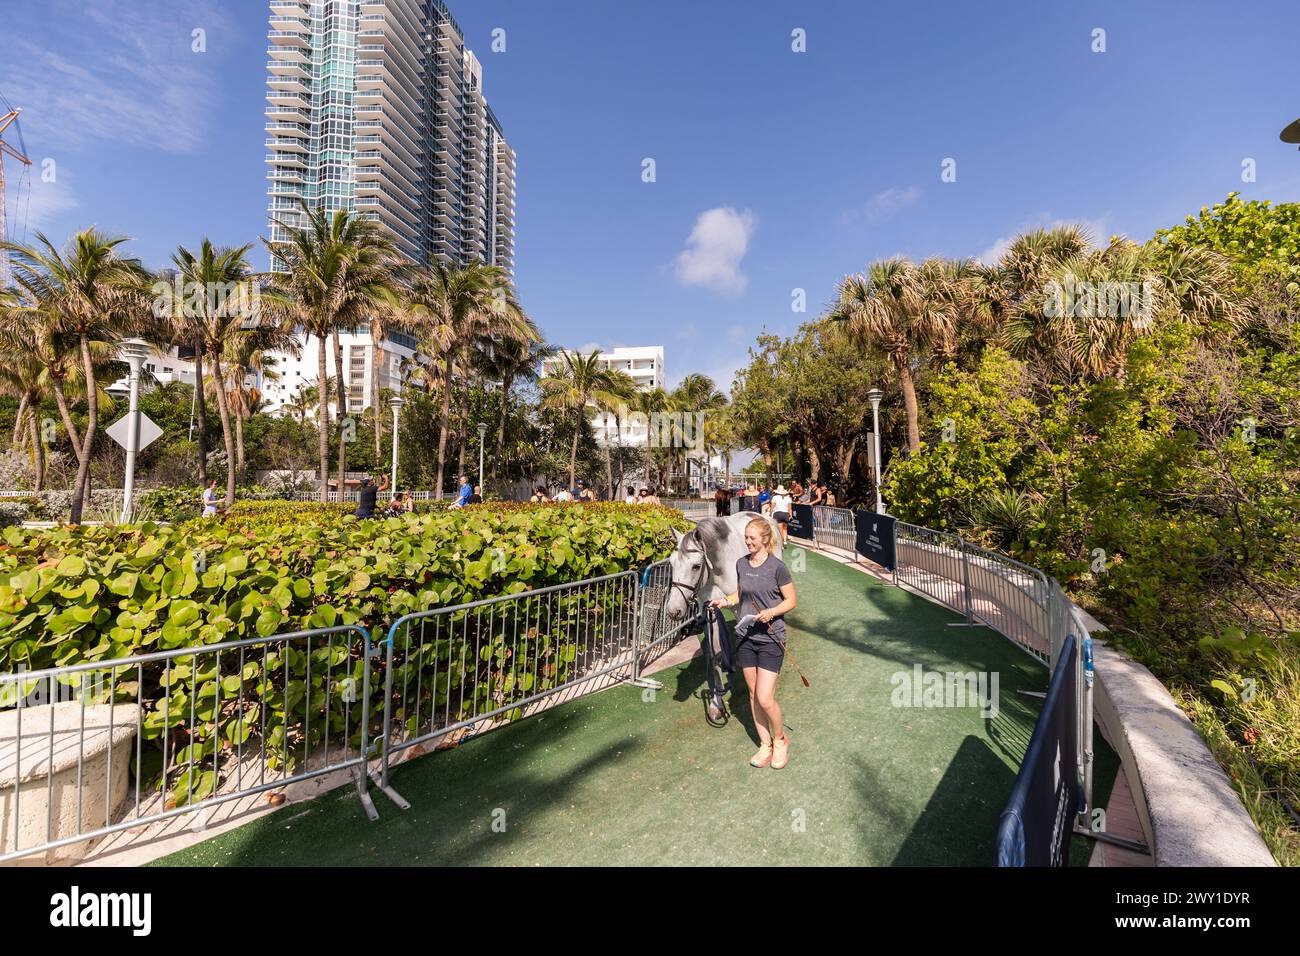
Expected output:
{"points": [[95, 594]]}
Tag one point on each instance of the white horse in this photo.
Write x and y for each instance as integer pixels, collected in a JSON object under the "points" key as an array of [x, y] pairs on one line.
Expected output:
{"points": [[704, 561], [703, 568]]}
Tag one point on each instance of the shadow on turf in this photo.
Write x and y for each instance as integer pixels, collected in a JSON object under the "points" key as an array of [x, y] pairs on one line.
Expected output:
{"points": [[454, 795], [960, 820]]}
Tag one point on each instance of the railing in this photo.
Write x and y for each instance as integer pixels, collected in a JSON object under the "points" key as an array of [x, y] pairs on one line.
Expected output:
{"points": [[469, 666], [932, 563], [200, 726], [183, 730], [986, 587], [351, 496], [656, 632], [1012, 598], [835, 527], [693, 508], [215, 723]]}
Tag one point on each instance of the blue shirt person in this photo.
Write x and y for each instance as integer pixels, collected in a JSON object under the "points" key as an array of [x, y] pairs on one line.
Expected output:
{"points": [[466, 489]]}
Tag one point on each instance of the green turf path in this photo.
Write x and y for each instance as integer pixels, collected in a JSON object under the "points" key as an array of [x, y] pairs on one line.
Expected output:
{"points": [[619, 778]]}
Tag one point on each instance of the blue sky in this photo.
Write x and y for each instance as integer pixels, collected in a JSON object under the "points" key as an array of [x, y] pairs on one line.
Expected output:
{"points": [[775, 170]]}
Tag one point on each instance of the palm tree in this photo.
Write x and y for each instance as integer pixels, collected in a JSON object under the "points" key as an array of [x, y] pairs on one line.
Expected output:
{"points": [[903, 311], [1083, 310], [251, 354], [91, 294], [451, 306], [647, 404], [582, 377], [696, 395], [611, 400], [514, 360], [22, 374], [177, 329], [338, 271], [383, 323], [216, 321]]}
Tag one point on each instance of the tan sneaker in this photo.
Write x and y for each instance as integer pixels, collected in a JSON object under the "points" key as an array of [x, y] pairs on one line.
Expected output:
{"points": [[780, 752], [762, 757]]}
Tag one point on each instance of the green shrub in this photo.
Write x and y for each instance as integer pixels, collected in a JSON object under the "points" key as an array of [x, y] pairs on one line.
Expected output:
{"points": [[72, 595]]}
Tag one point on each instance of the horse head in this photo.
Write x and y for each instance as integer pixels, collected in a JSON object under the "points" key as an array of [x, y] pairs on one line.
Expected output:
{"points": [[690, 570]]}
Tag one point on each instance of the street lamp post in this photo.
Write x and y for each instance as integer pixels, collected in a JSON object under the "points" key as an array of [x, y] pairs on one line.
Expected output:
{"points": [[875, 395], [133, 352], [396, 403], [482, 433]]}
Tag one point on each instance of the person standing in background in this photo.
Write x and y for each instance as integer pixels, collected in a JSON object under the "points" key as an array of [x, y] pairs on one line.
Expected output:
{"points": [[210, 499], [781, 507]]}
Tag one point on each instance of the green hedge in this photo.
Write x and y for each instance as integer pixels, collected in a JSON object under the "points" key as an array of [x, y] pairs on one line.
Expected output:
{"points": [[71, 595]]}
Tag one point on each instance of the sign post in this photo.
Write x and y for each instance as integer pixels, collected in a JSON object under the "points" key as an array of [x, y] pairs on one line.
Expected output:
{"points": [[133, 352]]}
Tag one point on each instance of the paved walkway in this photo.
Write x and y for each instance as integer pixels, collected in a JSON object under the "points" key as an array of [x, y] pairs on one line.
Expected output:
{"points": [[626, 777]]}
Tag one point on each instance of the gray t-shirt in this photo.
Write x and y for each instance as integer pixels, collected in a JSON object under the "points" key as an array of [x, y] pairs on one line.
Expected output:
{"points": [[760, 588]]}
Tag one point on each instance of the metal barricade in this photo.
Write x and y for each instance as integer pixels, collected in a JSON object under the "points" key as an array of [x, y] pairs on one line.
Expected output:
{"points": [[692, 508], [835, 528], [477, 664], [933, 563], [1011, 598], [656, 632], [175, 732]]}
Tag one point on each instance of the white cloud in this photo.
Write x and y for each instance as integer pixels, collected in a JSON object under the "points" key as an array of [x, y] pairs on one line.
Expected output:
{"points": [[715, 249], [124, 72], [40, 203], [1097, 230], [885, 203]]}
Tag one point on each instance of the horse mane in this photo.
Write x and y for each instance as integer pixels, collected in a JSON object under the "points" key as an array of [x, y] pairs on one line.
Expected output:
{"points": [[710, 532]]}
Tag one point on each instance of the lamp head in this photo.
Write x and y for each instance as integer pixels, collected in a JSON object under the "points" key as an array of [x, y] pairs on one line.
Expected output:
{"points": [[133, 351]]}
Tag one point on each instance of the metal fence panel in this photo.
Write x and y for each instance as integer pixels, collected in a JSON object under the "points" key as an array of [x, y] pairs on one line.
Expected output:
{"points": [[834, 527], [1011, 598], [475, 664], [174, 732], [933, 563], [693, 508], [656, 632]]}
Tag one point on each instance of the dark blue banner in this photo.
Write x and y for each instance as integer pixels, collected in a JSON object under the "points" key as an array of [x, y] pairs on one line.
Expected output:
{"points": [[801, 522], [1035, 827], [875, 537]]}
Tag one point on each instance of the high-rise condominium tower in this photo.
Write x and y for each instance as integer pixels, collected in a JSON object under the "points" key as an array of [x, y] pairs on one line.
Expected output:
{"points": [[376, 106]]}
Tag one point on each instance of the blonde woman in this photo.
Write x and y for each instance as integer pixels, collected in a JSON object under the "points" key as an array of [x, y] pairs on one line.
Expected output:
{"points": [[765, 592]]}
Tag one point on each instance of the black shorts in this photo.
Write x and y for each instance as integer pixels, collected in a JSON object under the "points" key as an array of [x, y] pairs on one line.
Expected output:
{"points": [[781, 517], [766, 655]]}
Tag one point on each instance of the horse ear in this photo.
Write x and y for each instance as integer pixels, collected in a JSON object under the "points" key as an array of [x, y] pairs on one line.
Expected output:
{"points": [[677, 536]]}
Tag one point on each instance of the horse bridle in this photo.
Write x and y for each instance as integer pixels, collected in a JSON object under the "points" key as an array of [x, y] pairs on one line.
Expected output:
{"points": [[692, 602]]}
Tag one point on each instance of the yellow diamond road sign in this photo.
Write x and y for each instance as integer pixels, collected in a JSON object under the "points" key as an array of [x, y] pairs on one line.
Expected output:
{"points": [[149, 431]]}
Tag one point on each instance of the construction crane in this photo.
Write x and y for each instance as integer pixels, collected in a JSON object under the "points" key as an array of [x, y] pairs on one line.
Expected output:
{"points": [[9, 125]]}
